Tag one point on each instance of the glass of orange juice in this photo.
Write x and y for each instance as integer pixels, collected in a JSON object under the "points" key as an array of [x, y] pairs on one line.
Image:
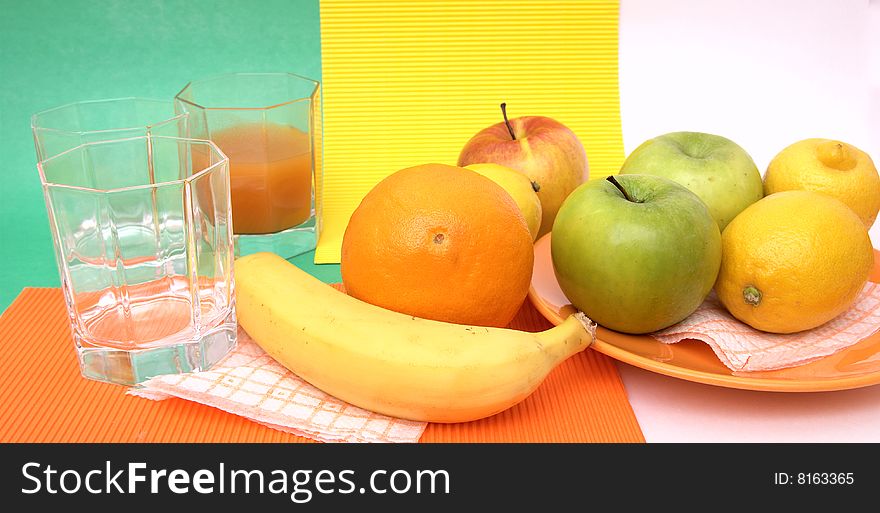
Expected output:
{"points": [[269, 125]]}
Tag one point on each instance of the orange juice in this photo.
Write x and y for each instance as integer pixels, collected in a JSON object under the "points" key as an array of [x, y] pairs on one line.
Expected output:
{"points": [[270, 168]]}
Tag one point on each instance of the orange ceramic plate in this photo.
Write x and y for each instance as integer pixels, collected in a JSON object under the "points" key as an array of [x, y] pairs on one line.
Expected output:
{"points": [[692, 360]]}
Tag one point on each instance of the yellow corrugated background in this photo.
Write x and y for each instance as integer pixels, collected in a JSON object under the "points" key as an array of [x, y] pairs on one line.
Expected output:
{"points": [[409, 82]]}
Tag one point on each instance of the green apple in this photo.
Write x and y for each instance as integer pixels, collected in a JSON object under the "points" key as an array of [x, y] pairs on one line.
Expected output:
{"points": [[635, 253], [715, 168]]}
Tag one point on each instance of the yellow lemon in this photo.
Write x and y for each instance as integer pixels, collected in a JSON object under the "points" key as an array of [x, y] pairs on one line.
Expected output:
{"points": [[832, 167], [520, 189], [793, 261]]}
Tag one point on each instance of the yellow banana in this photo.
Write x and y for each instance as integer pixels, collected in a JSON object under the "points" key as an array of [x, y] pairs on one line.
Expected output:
{"points": [[392, 363]]}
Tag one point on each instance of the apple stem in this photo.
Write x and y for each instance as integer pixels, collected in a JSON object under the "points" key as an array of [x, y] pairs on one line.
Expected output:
{"points": [[620, 188], [506, 122]]}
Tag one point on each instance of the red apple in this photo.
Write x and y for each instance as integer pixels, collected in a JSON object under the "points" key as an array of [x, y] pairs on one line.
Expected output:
{"points": [[543, 149]]}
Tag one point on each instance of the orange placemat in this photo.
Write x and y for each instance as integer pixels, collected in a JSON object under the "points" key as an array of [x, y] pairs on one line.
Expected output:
{"points": [[43, 397]]}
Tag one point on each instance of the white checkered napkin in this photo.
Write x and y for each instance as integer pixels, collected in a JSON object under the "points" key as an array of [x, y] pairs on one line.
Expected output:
{"points": [[742, 348], [250, 383]]}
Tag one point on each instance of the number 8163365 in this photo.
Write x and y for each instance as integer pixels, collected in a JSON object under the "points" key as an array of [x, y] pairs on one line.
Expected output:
{"points": [[814, 478]]}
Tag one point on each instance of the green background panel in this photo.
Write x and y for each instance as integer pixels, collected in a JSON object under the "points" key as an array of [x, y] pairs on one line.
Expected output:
{"points": [[57, 52]]}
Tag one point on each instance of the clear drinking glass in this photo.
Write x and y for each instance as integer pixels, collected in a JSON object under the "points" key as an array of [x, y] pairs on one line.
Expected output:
{"points": [[61, 128], [269, 125], [143, 241]]}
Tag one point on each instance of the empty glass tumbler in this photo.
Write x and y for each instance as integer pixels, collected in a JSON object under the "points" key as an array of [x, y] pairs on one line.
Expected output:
{"points": [[68, 126], [143, 240], [269, 125]]}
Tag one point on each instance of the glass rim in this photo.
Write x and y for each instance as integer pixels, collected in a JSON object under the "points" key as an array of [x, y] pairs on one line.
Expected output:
{"points": [[224, 160], [173, 117], [316, 84]]}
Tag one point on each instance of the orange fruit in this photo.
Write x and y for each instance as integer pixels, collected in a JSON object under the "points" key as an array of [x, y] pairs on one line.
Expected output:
{"points": [[439, 242]]}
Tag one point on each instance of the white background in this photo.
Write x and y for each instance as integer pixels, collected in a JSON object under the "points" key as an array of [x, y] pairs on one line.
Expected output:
{"points": [[764, 73]]}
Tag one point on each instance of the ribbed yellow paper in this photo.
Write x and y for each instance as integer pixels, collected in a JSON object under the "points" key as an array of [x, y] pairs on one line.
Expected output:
{"points": [[409, 82]]}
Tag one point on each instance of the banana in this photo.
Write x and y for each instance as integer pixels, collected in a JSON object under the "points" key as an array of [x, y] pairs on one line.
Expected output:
{"points": [[392, 363]]}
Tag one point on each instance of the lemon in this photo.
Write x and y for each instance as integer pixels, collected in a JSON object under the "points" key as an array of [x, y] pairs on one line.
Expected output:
{"points": [[831, 167], [520, 189], [793, 261]]}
